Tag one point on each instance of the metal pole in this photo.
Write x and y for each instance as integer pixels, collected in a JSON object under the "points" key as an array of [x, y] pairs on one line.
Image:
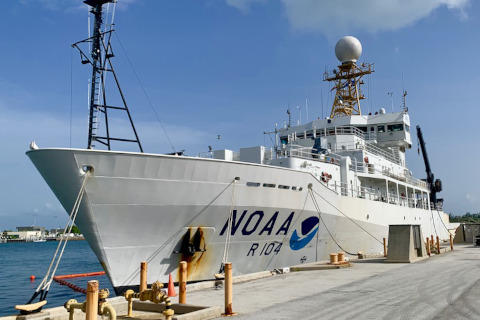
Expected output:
{"points": [[438, 245], [91, 309], [143, 276], [428, 247], [182, 295]]}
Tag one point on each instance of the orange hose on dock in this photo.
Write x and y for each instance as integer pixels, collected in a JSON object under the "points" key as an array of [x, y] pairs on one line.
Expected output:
{"points": [[60, 280], [80, 275]]}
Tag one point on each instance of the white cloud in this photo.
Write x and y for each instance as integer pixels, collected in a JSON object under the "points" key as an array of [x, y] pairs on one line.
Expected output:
{"points": [[470, 198], [243, 5], [334, 18]]}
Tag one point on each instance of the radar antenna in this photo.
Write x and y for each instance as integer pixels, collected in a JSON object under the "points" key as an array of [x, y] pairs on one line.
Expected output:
{"points": [[347, 78], [100, 60]]}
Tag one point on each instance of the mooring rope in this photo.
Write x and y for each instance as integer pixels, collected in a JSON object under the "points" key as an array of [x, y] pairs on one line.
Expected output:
{"points": [[229, 229], [44, 286], [353, 221], [433, 222], [323, 222]]}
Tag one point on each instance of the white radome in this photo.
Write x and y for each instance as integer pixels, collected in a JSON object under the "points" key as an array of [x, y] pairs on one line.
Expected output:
{"points": [[348, 49]]}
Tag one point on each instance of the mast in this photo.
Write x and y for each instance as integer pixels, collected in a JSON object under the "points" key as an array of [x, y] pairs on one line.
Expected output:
{"points": [[100, 60], [347, 78]]}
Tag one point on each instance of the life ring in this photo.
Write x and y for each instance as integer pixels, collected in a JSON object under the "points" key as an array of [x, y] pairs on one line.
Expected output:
{"points": [[365, 159], [326, 177]]}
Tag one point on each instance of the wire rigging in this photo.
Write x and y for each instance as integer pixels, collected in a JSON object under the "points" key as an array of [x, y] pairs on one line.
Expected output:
{"points": [[145, 92]]}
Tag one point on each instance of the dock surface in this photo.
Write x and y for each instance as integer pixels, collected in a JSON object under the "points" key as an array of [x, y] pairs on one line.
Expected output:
{"points": [[446, 286]]}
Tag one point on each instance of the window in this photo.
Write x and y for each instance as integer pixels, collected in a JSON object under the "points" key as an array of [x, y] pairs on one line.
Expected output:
{"points": [[381, 128], [253, 184], [269, 185], [283, 187], [372, 128], [364, 129], [407, 128], [395, 127]]}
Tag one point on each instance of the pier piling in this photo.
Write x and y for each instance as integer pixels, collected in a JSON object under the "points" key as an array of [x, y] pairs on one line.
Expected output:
{"points": [[143, 276], [182, 295], [91, 309]]}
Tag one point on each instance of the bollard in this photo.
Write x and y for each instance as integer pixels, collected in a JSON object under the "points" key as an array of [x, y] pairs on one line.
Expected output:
{"points": [[438, 245], [429, 252], [333, 258], [432, 241], [451, 242], [143, 276], [341, 256], [182, 295], [92, 300], [385, 247], [228, 290]]}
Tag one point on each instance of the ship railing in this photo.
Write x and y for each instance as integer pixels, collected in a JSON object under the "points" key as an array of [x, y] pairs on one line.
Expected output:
{"points": [[346, 130], [390, 156], [345, 189], [308, 153], [353, 191]]}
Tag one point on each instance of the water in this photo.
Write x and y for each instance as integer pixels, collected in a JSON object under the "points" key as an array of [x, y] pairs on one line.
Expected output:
{"points": [[18, 261]]}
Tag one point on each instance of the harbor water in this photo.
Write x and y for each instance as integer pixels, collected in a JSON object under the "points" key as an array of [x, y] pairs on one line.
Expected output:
{"points": [[18, 261]]}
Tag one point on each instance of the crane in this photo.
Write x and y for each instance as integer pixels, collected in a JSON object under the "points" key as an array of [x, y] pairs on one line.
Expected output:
{"points": [[434, 185]]}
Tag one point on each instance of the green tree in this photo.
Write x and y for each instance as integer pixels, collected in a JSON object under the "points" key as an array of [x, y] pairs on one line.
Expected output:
{"points": [[76, 230]]}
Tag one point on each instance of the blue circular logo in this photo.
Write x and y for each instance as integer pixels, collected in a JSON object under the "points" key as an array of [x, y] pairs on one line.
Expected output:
{"points": [[309, 228]]}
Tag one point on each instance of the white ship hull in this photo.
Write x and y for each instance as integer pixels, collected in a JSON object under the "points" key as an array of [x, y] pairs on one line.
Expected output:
{"points": [[138, 207]]}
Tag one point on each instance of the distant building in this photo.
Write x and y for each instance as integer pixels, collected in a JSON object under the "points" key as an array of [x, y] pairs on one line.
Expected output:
{"points": [[26, 233], [32, 228]]}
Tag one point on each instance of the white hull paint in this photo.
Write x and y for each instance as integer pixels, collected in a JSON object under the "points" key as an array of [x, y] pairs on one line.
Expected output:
{"points": [[138, 207]]}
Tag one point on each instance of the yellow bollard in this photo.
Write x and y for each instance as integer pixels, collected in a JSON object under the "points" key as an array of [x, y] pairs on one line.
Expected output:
{"points": [[438, 245], [182, 295], [333, 258], [228, 290], [429, 252], [341, 256], [143, 276], [92, 300], [451, 242], [385, 247]]}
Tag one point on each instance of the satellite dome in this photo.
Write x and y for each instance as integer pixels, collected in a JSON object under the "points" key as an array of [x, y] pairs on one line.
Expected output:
{"points": [[348, 49]]}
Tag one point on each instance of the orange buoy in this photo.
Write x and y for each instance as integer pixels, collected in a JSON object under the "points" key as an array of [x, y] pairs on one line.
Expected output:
{"points": [[32, 277]]}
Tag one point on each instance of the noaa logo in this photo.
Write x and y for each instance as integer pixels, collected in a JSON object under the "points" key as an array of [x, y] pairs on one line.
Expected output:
{"points": [[309, 229]]}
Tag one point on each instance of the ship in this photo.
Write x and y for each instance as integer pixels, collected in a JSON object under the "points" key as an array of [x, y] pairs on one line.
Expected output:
{"points": [[332, 184]]}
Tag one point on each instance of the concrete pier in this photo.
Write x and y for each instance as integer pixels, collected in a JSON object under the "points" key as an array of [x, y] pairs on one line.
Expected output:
{"points": [[445, 286]]}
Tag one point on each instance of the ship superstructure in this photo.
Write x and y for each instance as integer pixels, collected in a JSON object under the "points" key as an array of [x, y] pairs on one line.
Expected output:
{"points": [[331, 184]]}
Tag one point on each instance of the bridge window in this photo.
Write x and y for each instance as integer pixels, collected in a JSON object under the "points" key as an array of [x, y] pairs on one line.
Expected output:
{"points": [[381, 128], [395, 127]]}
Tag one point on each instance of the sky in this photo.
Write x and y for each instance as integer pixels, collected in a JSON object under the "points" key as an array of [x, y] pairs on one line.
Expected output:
{"points": [[232, 68]]}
